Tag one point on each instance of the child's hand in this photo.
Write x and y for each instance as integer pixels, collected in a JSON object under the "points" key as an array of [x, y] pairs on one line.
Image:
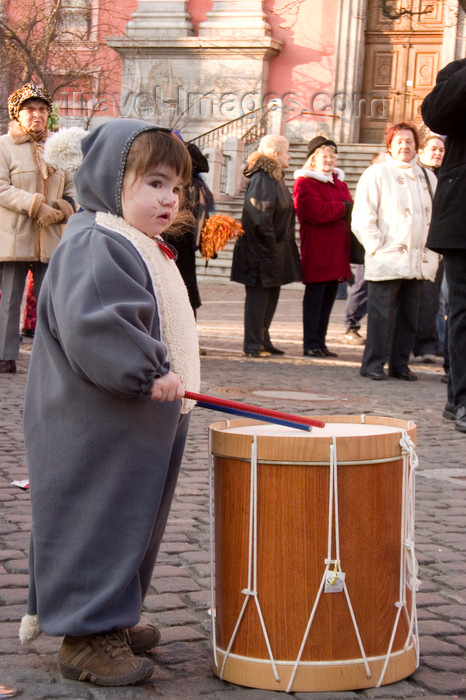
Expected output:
{"points": [[167, 388]]}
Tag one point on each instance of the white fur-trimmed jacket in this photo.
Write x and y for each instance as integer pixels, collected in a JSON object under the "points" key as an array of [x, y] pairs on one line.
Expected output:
{"points": [[391, 217]]}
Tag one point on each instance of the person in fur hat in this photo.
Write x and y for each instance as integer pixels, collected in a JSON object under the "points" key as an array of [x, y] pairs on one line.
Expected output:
{"points": [[35, 202], [266, 256], [323, 206], [105, 419]]}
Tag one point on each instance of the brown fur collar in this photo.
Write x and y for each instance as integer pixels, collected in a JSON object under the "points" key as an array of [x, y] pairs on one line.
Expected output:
{"points": [[258, 161], [20, 136]]}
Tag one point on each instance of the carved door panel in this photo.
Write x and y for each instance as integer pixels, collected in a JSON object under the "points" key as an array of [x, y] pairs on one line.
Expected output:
{"points": [[402, 60]]}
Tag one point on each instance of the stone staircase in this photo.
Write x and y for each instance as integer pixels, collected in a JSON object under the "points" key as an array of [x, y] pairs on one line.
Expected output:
{"points": [[352, 159]]}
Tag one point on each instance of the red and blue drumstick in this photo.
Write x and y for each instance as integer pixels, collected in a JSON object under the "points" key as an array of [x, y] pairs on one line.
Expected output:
{"points": [[255, 412]]}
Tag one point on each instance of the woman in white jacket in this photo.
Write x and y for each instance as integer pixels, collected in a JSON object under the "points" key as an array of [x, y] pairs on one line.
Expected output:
{"points": [[391, 218]]}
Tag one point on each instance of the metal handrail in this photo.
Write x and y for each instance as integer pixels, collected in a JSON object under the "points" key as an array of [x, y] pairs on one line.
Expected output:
{"points": [[214, 135]]}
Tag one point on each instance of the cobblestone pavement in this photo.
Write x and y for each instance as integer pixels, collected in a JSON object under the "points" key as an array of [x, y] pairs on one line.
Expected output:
{"points": [[180, 594]]}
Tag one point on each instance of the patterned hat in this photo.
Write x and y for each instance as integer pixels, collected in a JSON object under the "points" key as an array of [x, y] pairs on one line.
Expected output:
{"points": [[27, 92]]}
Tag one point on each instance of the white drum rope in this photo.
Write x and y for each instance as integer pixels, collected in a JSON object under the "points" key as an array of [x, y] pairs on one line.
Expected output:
{"points": [[408, 563], [413, 583], [332, 515], [212, 551], [251, 590]]}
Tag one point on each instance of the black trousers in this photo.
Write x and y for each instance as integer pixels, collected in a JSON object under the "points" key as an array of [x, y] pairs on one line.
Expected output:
{"points": [[392, 311], [259, 309], [318, 301], [455, 269]]}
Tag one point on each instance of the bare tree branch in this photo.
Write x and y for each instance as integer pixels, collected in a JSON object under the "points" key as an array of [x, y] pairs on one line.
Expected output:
{"points": [[48, 41]]}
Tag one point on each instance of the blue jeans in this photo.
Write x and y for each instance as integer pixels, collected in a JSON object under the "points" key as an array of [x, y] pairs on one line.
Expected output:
{"points": [[356, 304]]}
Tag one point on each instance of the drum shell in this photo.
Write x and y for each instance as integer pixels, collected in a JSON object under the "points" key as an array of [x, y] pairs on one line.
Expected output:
{"points": [[293, 490]]}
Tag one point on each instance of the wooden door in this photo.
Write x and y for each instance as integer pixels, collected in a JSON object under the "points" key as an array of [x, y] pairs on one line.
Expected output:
{"points": [[402, 59]]}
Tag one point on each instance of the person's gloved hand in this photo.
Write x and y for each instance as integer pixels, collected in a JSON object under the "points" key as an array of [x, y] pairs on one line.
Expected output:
{"points": [[46, 215], [65, 207]]}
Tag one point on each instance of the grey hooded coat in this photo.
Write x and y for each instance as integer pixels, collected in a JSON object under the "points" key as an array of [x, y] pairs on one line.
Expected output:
{"points": [[103, 457]]}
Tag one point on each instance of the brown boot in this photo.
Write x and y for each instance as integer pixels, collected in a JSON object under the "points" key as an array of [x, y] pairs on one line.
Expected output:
{"points": [[142, 637], [104, 659], [7, 367]]}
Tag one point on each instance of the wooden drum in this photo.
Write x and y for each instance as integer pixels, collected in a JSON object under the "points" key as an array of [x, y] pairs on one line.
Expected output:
{"points": [[315, 572]]}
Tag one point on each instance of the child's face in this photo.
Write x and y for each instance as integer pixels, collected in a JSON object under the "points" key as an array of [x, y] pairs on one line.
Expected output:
{"points": [[150, 202]]}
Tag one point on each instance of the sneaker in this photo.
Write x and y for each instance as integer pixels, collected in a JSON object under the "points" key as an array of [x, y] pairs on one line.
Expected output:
{"points": [[460, 420], [143, 637], [103, 659], [353, 337], [426, 359]]}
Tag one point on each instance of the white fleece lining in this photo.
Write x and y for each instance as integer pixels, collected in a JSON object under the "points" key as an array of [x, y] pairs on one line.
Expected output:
{"points": [[29, 628], [177, 323]]}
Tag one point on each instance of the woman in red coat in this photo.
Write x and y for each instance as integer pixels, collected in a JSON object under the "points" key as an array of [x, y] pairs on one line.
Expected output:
{"points": [[323, 205]]}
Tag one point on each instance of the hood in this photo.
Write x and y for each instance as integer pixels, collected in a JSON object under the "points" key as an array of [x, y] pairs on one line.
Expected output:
{"points": [[322, 177], [98, 159], [259, 161], [99, 178]]}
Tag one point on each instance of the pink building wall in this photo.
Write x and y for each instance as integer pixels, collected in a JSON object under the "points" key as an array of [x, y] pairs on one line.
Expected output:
{"points": [[302, 73], [305, 65]]}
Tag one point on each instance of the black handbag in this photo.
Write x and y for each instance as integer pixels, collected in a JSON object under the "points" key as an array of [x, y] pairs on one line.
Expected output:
{"points": [[357, 251]]}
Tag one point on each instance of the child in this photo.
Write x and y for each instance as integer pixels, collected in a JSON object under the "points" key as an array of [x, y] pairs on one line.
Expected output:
{"points": [[104, 421]]}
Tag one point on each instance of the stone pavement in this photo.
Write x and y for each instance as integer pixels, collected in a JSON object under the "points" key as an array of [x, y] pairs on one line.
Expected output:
{"points": [[180, 594]]}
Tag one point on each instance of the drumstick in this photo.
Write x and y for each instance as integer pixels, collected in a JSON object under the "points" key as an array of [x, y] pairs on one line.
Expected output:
{"points": [[257, 412]]}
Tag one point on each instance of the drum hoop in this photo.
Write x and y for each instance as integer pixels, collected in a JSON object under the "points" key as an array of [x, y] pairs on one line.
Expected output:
{"points": [[337, 662], [283, 463]]}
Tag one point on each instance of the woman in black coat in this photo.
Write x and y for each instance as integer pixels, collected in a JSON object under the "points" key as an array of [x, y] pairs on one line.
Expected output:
{"points": [[266, 256]]}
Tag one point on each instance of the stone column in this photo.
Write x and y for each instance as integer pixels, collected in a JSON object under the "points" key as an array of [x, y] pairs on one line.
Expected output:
{"points": [[234, 148], [214, 176], [349, 61], [454, 32], [238, 18], [155, 19]]}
